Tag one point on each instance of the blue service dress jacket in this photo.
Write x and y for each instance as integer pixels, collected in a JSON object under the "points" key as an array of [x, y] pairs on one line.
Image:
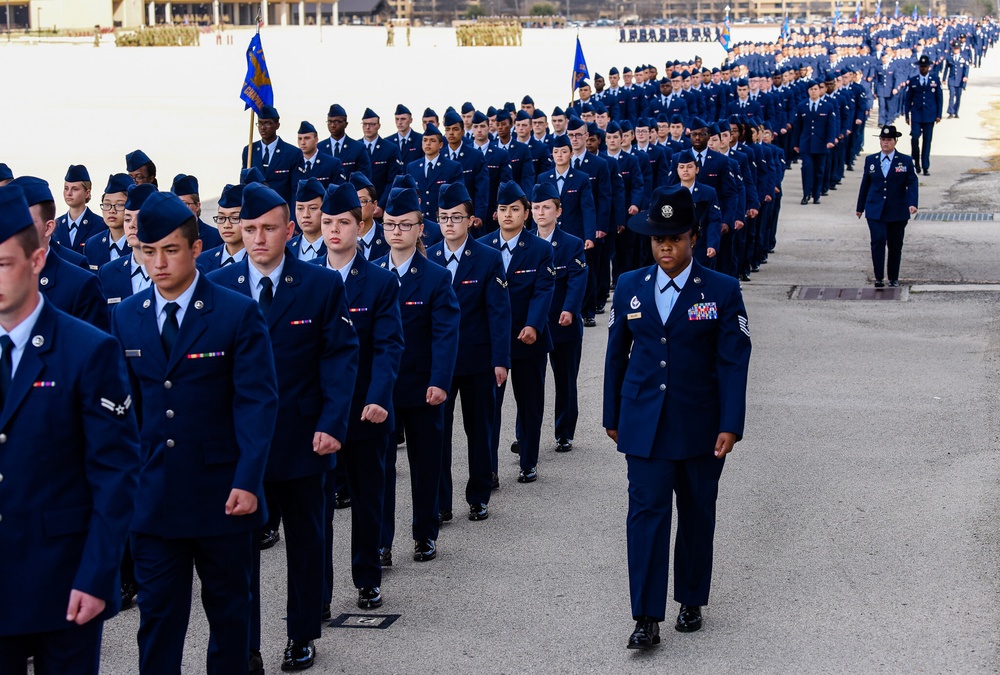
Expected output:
{"points": [[315, 357], [531, 279], [207, 411], [659, 377], [90, 224], [73, 290], [579, 216], [570, 265], [888, 197], [282, 171], [353, 155], [69, 456]]}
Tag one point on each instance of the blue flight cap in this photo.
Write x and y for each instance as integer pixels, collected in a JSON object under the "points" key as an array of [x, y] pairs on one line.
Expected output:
{"points": [[452, 195], [491, 112], [662, 117], [479, 118], [641, 122], [184, 185], [467, 107], [138, 194], [340, 199], [558, 112], [509, 193], [522, 115], [258, 199], [543, 192], [598, 76], [5, 172], [584, 83], [36, 190], [539, 114], [575, 123], [369, 114], [161, 214], [600, 108], [587, 108], [715, 70], [685, 157], [626, 69], [685, 75], [527, 100], [360, 181], [509, 107], [432, 130], [676, 119], [268, 112], [613, 71], [714, 129], [336, 110], [697, 123], [671, 212], [135, 160], [402, 110], [118, 182], [428, 112], [742, 82], [613, 128], [309, 189], [402, 201], [624, 125], [561, 142], [307, 128], [232, 197], [14, 212], [251, 175], [452, 118], [77, 173], [594, 130], [403, 180]]}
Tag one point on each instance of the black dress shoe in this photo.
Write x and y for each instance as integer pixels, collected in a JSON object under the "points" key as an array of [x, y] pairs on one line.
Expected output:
{"points": [[564, 445], [256, 665], [599, 310], [744, 277], [385, 556], [822, 194], [369, 598], [527, 475], [299, 655], [267, 539], [755, 269], [879, 283], [327, 614], [129, 591], [401, 438], [893, 284], [645, 635], [424, 550], [446, 516], [496, 482], [805, 200], [589, 322], [478, 512], [688, 619], [850, 167], [815, 200], [833, 187], [343, 500], [515, 447], [926, 172]]}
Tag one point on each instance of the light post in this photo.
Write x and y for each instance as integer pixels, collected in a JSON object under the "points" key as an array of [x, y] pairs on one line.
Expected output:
{"points": [[39, 22]]}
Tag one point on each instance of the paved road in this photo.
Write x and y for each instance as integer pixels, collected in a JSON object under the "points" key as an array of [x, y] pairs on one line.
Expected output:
{"points": [[857, 524]]}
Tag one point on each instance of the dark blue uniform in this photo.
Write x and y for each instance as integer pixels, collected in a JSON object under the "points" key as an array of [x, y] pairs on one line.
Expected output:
{"points": [[90, 224], [429, 186], [97, 250], [813, 130], [693, 366], [282, 170], [475, 176], [352, 155], [207, 411], [956, 73], [579, 217], [211, 259], [885, 201], [68, 491], [924, 107], [327, 169], [410, 150], [74, 291], [484, 344], [385, 164], [530, 283], [431, 317]]}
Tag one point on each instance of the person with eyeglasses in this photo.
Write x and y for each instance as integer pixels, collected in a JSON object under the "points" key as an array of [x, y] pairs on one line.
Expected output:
{"points": [[186, 187], [79, 223], [228, 221], [277, 160], [530, 275], [483, 354], [371, 239], [74, 290], [351, 153], [111, 244], [430, 314], [126, 276], [372, 294]]}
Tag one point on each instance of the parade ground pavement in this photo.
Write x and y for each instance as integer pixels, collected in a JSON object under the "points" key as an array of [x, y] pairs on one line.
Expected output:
{"points": [[857, 527]]}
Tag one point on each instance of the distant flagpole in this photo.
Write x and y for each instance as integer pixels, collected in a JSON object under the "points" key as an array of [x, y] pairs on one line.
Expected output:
{"points": [[580, 71], [250, 142]]}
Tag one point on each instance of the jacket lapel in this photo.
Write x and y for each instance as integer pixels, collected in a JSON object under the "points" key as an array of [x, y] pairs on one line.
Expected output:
{"points": [[411, 281], [50, 271], [285, 295], [356, 279], [687, 294], [194, 323], [31, 363]]}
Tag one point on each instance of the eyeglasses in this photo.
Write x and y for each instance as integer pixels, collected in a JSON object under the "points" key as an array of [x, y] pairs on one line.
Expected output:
{"points": [[365, 202], [403, 227], [219, 220], [117, 208], [451, 219]]}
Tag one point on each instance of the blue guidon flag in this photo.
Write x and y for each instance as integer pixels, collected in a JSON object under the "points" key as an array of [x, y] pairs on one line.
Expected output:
{"points": [[725, 37], [580, 71], [257, 91]]}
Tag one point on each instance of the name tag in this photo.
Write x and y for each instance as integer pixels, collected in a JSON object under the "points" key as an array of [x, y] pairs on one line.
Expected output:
{"points": [[114, 301], [133, 353], [703, 311], [634, 315]]}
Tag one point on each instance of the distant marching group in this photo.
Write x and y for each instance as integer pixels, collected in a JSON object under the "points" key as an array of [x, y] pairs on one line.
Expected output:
{"points": [[351, 291]]}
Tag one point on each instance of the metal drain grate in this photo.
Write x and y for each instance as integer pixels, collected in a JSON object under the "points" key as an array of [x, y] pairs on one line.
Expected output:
{"points": [[951, 216], [830, 293]]}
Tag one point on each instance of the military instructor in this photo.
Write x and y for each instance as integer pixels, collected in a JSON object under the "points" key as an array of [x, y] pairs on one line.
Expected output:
{"points": [[678, 353]]}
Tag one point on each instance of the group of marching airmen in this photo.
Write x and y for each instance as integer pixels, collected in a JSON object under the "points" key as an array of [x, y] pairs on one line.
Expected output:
{"points": [[264, 371], [486, 33]]}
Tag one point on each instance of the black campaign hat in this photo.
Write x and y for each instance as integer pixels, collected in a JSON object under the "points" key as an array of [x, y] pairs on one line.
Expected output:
{"points": [[671, 212], [889, 131]]}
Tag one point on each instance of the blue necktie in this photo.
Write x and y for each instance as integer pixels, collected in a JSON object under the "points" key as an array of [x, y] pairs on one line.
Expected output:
{"points": [[168, 335]]}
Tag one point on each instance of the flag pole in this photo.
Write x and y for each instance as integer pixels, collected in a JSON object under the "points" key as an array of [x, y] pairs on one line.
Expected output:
{"points": [[250, 142], [572, 91]]}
